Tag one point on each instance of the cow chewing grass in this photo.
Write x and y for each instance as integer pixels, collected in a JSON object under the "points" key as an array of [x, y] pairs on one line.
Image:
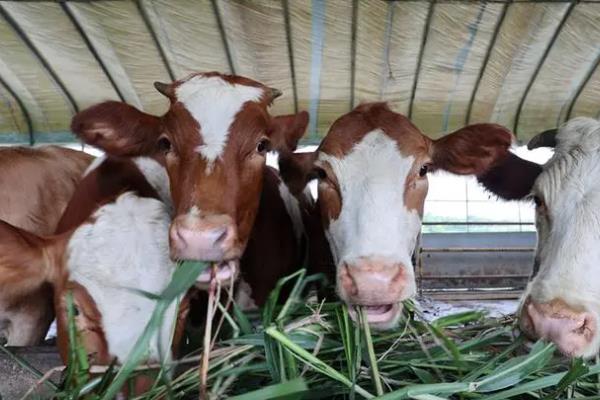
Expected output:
{"points": [[308, 349]]}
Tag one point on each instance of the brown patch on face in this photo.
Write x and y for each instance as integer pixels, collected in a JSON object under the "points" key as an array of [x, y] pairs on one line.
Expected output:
{"points": [[416, 187], [330, 197], [350, 129]]}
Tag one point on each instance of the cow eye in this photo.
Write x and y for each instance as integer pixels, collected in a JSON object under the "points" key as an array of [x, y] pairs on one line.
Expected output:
{"points": [[538, 201], [263, 146], [423, 171], [164, 144], [320, 173]]}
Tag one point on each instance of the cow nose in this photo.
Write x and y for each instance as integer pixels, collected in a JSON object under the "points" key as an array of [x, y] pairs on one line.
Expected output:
{"points": [[207, 238], [570, 330], [373, 282]]}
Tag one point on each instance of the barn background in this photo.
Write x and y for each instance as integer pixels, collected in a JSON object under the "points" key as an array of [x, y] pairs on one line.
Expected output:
{"points": [[529, 65]]}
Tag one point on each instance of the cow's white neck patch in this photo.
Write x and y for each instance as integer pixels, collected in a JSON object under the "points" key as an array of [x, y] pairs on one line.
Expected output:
{"points": [[214, 103], [127, 246], [373, 222]]}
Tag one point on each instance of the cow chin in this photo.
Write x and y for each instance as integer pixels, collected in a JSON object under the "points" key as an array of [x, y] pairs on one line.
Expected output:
{"points": [[575, 333], [226, 273]]}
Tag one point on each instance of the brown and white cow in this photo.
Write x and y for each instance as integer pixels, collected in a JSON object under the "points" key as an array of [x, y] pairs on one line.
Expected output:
{"points": [[35, 187], [372, 168], [562, 301], [185, 185]]}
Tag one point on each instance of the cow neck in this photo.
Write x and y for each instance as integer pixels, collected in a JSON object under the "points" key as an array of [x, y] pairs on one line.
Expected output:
{"points": [[108, 179]]}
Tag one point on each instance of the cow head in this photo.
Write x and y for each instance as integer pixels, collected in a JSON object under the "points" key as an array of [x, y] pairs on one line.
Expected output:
{"points": [[372, 169], [562, 302], [213, 142]]}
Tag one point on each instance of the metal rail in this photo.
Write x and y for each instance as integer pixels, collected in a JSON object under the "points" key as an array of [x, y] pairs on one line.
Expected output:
{"points": [[477, 250], [288, 37], [486, 59], [221, 27], [45, 64], [540, 64], [23, 108], [426, 28], [460, 223], [150, 28], [91, 48]]}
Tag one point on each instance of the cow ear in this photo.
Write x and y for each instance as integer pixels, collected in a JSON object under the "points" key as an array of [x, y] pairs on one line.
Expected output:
{"points": [[296, 170], [512, 178], [472, 150], [118, 129], [286, 131]]}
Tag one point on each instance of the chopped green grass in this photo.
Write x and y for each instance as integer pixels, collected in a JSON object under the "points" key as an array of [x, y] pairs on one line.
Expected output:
{"points": [[299, 348]]}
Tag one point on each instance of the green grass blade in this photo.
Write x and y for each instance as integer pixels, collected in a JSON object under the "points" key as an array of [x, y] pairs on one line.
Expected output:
{"points": [[294, 387], [432, 389], [371, 352], [516, 369], [314, 362]]}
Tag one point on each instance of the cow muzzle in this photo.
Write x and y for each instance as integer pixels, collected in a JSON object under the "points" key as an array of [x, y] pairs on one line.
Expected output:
{"points": [[378, 286], [204, 238], [572, 331]]}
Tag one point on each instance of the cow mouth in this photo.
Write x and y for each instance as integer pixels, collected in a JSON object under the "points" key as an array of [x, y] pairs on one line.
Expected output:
{"points": [[226, 272], [379, 316]]}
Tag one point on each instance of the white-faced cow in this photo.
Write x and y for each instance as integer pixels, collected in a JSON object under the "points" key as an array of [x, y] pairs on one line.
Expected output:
{"points": [[185, 185], [35, 187], [372, 168], [562, 302]]}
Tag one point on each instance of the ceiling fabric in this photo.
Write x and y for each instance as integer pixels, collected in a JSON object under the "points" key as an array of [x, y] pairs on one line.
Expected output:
{"points": [[528, 65]]}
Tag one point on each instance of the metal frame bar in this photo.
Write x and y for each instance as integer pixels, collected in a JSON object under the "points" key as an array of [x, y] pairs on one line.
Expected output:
{"points": [[476, 223], [24, 110], [217, 14], [91, 48], [353, 51], [582, 86], [476, 249], [157, 43], [288, 36], [420, 59], [21, 33], [486, 60], [541, 63]]}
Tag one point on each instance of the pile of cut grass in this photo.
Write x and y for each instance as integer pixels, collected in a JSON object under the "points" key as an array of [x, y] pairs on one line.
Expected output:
{"points": [[299, 348]]}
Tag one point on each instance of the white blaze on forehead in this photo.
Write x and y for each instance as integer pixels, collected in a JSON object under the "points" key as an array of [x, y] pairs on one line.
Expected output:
{"points": [[373, 222], [568, 240], [214, 103]]}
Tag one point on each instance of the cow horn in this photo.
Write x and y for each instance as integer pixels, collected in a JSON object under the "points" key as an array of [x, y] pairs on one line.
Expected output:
{"points": [[544, 139], [275, 93], [164, 88]]}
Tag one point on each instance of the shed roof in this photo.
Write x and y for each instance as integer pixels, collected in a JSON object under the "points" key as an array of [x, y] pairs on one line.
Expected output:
{"points": [[529, 65]]}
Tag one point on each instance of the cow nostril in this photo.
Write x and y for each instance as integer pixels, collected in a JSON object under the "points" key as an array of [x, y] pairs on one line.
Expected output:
{"points": [[583, 329], [221, 235], [348, 281]]}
